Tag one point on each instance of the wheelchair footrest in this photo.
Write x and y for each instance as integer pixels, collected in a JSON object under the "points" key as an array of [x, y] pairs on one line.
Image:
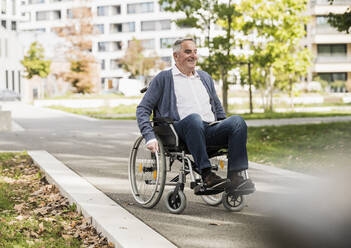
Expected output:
{"points": [[201, 190], [194, 184]]}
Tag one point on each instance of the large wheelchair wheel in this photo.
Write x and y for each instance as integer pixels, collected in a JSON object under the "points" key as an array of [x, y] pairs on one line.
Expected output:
{"points": [[233, 202], [147, 173]]}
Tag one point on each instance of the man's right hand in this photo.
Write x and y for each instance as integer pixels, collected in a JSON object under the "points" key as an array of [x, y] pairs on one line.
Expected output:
{"points": [[152, 146]]}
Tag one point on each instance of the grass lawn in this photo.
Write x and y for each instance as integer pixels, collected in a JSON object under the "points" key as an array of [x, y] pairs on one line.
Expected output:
{"points": [[305, 148], [285, 115], [34, 214], [103, 112], [117, 113]]}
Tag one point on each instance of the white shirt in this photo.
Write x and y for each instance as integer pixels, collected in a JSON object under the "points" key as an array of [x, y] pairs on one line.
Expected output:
{"points": [[191, 95]]}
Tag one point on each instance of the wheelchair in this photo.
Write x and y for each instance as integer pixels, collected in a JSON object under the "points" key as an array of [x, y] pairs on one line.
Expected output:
{"points": [[147, 172]]}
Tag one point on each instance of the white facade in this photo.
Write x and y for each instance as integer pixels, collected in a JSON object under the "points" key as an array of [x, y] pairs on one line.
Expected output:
{"points": [[10, 14], [11, 52], [116, 22], [331, 49]]}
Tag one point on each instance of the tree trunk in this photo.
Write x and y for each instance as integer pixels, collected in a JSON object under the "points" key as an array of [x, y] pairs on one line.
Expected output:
{"points": [[271, 89], [250, 89], [224, 91], [291, 94]]}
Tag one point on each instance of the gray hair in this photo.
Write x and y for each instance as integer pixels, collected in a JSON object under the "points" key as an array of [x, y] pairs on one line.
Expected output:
{"points": [[178, 43]]}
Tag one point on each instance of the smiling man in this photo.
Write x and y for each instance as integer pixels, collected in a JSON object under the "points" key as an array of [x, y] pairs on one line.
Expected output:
{"points": [[189, 98]]}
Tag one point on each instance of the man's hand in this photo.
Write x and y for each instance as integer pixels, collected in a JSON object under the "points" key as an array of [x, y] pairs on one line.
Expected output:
{"points": [[152, 146]]}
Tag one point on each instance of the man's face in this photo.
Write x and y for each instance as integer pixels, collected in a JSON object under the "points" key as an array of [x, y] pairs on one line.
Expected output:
{"points": [[186, 58]]}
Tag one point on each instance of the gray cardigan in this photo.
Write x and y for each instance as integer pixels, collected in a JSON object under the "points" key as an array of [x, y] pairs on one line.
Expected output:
{"points": [[160, 99]]}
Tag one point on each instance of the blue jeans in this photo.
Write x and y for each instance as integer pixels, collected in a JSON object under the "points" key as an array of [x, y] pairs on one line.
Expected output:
{"points": [[231, 133]]}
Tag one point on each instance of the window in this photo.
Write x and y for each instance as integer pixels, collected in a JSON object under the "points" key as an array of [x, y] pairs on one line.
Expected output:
{"points": [[7, 78], [102, 46], [137, 8], [13, 25], [332, 77], [148, 44], [164, 5], [115, 64], [69, 14], [13, 80], [56, 15], [115, 46], [122, 27], [102, 10], [3, 7], [155, 25], [3, 23], [332, 50], [116, 10], [167, 42], [103, 64], [99, 28], [19, 82], [109, 46], [36, 1], [42, 15]]}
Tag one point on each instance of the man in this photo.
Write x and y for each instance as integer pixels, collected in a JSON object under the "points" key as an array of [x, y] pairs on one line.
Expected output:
{"points": [[189, 98]]}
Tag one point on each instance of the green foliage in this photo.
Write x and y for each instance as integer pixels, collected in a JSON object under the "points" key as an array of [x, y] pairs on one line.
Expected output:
{"points": [[272, 31], [34, 63], [276, 28], [204, 15], [341, 21]]}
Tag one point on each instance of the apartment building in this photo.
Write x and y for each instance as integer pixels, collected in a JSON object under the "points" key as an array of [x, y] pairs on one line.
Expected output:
{"points": [[11, 51], [330, 48], [117, 22]]}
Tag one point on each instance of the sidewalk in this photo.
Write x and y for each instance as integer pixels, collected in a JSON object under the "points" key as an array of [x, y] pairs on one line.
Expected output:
{"points": [[97, 152]]}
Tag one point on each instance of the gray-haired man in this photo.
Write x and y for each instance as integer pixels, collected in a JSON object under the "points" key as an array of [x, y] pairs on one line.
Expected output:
{"points": [[189, 98]]}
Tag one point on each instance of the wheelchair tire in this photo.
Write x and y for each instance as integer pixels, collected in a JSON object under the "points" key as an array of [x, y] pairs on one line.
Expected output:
{"points": [[212, 200], [232, 202], [147, 173], [177, 206]]}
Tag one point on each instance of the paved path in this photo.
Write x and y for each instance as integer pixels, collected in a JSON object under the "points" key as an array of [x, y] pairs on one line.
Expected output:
{"points": [[98, 150]]}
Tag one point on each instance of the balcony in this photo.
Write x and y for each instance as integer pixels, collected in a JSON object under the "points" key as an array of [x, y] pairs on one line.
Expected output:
{"points": [[332, 59], [332, 64]]}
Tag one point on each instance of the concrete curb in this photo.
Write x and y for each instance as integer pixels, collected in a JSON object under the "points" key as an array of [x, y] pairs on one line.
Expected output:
{"points": [[114, 222]]}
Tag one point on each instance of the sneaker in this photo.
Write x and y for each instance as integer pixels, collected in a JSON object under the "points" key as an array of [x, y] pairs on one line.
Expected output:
{"points": [[242, 186], [212, 181]]}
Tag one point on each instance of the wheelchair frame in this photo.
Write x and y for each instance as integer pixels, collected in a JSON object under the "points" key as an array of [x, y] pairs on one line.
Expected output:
{"points": [[171, 148]]}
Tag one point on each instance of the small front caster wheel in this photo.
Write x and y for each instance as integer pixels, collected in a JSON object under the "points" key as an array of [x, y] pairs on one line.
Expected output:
{"points": [[177, 205], [233, 202]]}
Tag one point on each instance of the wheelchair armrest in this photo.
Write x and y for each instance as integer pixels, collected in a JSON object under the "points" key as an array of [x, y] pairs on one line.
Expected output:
{"points": [[167, 133], [163, 120]]}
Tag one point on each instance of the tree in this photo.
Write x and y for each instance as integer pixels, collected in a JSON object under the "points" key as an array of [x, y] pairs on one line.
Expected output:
{"points": [[34, 63], [341, 22], [204, 15], [276, 28], [137, 64], [83, 66]]}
